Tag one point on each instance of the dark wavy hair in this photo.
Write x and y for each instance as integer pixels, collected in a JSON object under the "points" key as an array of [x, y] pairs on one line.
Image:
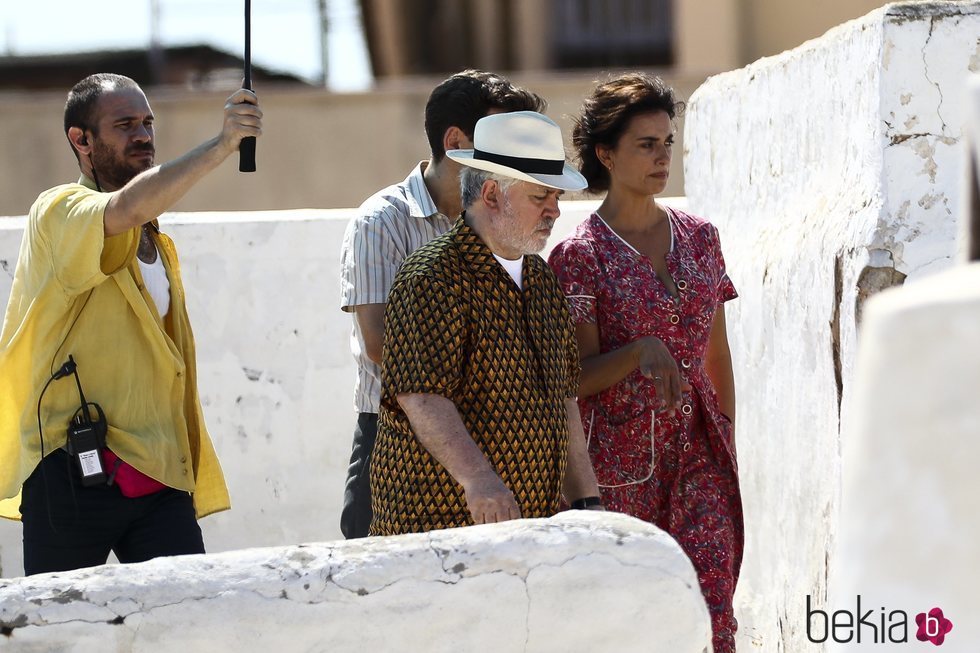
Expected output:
{"points": [[464, 98], [607, 113], [83, 96]]}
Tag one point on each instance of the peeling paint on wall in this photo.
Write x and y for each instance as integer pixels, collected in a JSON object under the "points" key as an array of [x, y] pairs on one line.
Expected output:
{"points": [[872, 281]]}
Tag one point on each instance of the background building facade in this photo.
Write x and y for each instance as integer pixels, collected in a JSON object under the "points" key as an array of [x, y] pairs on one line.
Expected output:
{"points": [[331, 150]]}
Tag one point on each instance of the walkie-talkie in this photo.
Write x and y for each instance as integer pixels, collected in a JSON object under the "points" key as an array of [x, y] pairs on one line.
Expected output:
{"points": [[86, 436]]}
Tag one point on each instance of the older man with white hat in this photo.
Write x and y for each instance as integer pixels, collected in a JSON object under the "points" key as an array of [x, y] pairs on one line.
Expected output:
{"points": [[478, 420]]}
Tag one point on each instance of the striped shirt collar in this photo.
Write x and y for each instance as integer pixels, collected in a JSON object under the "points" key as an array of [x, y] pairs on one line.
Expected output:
{"points": [[420, 203]]}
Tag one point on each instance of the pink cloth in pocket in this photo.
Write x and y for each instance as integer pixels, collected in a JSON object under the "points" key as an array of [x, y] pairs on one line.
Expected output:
{"points": [[132, 482]]}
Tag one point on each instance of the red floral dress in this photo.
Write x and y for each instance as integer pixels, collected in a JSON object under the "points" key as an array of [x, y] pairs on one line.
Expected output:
{"points": [[677, 472]]}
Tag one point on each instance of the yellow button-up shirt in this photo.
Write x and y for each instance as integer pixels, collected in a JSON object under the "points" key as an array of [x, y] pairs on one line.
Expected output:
{"points": [[77, 292]]}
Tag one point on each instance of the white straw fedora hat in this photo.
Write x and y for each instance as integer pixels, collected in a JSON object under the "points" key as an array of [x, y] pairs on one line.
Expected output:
{"points": [[525, 145]]}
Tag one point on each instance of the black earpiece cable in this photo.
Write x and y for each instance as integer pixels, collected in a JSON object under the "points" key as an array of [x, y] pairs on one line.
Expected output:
{"points": [[61, 344], [62, 372]]}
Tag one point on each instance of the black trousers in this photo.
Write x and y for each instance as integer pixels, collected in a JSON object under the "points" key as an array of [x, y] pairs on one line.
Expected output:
{"points": [[355, 518], [67, 526]]}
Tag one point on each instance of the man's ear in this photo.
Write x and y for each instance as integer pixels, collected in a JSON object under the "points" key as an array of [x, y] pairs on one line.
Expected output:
{"points": [[78, 139], [490, 194], [455, 139]]}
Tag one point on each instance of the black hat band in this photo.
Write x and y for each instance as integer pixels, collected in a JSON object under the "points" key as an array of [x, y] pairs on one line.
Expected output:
{"points": [[538, 166]]}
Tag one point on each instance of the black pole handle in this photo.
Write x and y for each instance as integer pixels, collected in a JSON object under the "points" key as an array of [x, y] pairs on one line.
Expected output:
{"points": [[246, 148], [246, 154]]}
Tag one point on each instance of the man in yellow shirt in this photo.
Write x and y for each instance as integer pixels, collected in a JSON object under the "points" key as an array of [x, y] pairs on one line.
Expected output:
{"points": [[97, 296]]}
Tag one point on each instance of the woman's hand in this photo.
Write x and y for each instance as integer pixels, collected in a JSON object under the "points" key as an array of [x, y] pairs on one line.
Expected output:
{"points": [[654, 361]]}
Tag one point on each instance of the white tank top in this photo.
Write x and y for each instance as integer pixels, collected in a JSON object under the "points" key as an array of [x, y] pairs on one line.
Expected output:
{"points": [[157, 284]]}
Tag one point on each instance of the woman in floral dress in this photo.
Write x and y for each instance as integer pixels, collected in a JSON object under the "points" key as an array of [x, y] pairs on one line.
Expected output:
{"points": [[646, 284]]}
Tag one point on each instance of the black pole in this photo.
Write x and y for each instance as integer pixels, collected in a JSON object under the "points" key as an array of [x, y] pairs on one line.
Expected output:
{"points": [[246, 149]]}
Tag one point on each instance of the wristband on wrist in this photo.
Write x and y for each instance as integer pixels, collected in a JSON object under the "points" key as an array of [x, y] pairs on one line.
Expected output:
{"points": [[586, 502]]}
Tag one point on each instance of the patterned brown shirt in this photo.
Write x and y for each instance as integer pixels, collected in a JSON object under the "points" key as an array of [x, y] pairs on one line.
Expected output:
{"points": [[457, 325]]}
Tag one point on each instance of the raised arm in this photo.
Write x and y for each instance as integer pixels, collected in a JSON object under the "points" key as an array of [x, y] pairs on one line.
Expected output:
{"points": [[156, 190]]}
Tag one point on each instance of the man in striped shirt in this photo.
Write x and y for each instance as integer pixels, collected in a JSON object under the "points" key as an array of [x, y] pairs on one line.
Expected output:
{"points": [[390, 225]]}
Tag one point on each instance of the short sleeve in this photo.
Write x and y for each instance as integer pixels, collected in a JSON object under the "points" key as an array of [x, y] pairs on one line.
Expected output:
{"points": [[370, 259], [726, 289], [424, 340], [70, 219], [574, 262]]}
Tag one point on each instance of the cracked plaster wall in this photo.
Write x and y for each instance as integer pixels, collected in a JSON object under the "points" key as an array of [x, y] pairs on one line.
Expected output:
{"points": [[826, 167], [576, 582], [917, 418]]}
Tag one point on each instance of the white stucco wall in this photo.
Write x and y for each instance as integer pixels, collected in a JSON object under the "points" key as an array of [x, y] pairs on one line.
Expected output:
{"points": [[841, 155], [910, 505], [910, 521], [581, 581]]}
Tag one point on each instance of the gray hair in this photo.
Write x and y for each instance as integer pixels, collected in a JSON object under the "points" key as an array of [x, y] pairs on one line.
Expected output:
{"points": [[471, 182]]}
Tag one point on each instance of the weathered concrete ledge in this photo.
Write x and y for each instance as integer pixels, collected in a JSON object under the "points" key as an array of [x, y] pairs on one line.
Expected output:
{"points": [[576, 582]]}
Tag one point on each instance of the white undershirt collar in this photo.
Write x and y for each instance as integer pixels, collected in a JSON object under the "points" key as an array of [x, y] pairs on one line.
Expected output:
{"points": [[515, 268]]}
